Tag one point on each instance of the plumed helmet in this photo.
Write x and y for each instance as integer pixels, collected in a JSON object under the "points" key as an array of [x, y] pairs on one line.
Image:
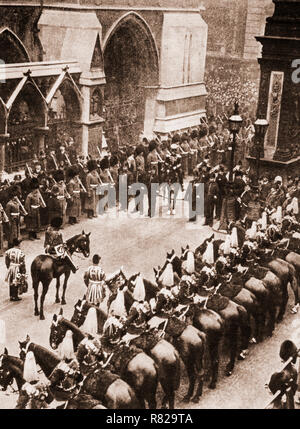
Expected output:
{"points": [[139, 293], [176, 138], [152, 145], [59, 175], [90, 325], [92, 165], [34, 183], [104, 163], [66, 348], [56, 222], [278, 179]]}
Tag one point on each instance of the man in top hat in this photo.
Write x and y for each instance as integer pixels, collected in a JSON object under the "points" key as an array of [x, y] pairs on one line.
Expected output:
{"points": [[33, 203], [14, 211], [54, 243], [15, 264], [73, 190], [92, 183], [94, 279]]}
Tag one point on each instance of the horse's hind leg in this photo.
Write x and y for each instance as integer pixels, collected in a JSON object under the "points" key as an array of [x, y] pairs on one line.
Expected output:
{"points": [[189, 365], [63, 298], [232, 336], [44, 293], [36, 296], [57, 300], [285, 298]]}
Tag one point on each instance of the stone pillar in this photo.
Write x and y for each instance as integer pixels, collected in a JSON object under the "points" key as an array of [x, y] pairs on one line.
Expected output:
{"points": [[40, 133], [279, 95], [3, 140]]}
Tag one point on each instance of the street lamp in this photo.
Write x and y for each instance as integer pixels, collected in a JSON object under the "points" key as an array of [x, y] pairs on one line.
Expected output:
{"points": [[261, 126], [235, 123]]}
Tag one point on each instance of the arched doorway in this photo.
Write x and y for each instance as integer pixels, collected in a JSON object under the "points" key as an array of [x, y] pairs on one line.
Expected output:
{"points": [[63, 116], [27, 113], [131, 64]]}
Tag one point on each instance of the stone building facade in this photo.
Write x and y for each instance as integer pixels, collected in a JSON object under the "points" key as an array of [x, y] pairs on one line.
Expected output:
{"points": [[78, 67]]}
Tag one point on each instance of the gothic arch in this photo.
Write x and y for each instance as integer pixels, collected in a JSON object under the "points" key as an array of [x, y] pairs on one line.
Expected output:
{"points": [[138, 26], [11, 48]]}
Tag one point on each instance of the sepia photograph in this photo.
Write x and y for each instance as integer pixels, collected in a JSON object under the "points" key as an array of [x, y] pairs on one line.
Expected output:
{"points": [[149, 207]]}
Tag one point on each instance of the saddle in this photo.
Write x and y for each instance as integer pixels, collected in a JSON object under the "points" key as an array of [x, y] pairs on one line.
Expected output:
{"points": [[122, 355], [147, 340]]}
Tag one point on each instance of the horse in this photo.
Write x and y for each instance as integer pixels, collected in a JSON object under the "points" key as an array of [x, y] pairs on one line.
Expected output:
{"points": [[118, 395], [45, 268], [140, 371], [163, 353], [11, 368]]}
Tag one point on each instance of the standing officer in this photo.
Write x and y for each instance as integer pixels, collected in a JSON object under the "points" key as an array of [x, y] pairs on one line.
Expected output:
{"points": [[14, 211], [92, 183], [74, 202], [63, 194], [33, 203]]}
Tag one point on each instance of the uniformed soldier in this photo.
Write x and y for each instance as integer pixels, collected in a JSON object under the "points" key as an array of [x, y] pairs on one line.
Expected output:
{"points": [[140, 162], [152, 158], [62, 193], [53, 204], [54, 243], [185, 153], [73, 190], [14, 211], [15, 264], [33, 203], [92, 183], [94, 279]]}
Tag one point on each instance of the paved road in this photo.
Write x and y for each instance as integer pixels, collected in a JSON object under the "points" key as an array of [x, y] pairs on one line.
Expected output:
{"points": [[139, 244]]}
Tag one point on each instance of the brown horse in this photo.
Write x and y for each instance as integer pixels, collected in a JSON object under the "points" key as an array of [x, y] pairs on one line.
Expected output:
{"points": [[45, 268]]}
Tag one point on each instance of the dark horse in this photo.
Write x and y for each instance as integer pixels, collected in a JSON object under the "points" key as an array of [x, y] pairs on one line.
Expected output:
{"points": [[11, 368], [45, 268]]}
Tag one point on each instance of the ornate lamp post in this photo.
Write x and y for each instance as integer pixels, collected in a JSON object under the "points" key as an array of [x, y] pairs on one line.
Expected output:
{"points": [[261, 126], [235, 123]]}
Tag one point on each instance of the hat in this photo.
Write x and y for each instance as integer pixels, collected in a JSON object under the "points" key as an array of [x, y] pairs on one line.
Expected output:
{"points": [[176, 138], [72, 172], [234, 238], [279, 214], [104, 163], [139, 149], [30, 372], [264, 221], [92, 165], [190, 263], [59, 175], [56, 222], [90, 325], [139, 292], [66, 348], [34, 183], [114, 161], [174, 146], [152, 145]]}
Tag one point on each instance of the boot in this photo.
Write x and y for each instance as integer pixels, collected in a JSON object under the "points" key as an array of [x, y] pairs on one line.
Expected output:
{"points": [[15, 294], [11, 293], [90, 214]]}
